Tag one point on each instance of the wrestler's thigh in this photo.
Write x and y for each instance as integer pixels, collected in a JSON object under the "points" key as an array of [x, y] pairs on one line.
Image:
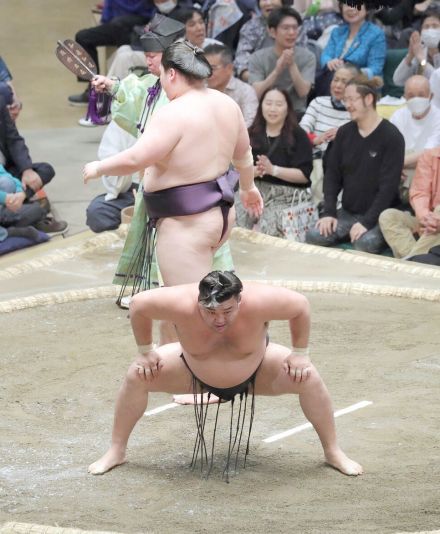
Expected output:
{"points": [[185, 246], [174, 376], [272, 379]]}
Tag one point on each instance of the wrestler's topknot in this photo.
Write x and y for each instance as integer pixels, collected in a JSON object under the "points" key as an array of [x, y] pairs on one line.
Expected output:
{"points": [[218, 286], [187, 59]]}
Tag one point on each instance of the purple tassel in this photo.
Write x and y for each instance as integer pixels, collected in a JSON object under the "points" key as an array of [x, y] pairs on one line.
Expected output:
{"points": [[98, 110], [152, 91]]}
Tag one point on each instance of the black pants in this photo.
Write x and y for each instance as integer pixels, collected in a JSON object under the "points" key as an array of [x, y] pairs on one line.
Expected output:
{"points": [[114, 33], [105, 215]]}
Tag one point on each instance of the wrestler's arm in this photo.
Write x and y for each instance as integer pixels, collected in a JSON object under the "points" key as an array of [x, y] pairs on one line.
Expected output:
{"points": [[279, 303], [161, 304], [243, 161], [158, 140], [282, 304]]}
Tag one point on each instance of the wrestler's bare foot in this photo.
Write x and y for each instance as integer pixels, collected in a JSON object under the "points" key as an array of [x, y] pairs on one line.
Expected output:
{"points": [[112, 458], [189, 399], [340, 461]]}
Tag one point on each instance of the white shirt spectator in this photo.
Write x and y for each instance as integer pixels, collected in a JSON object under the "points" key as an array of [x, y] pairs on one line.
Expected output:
{"points": [[434, 82], [419, 134]]}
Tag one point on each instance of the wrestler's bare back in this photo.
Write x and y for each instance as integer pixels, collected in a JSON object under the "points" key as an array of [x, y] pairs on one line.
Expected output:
{"points": [[205, 130]]}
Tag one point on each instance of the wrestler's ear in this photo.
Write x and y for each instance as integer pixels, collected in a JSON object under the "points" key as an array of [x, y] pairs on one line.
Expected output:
{"points": [[172, 74]]}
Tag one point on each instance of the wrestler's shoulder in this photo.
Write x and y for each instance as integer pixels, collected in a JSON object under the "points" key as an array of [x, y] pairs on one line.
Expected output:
{"points": [[258, 291], [217, 95]]}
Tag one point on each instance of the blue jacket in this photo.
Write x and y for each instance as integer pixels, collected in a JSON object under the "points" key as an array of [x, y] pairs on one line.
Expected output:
{"points": [[367, 51], [119, 8], [14, 182]]}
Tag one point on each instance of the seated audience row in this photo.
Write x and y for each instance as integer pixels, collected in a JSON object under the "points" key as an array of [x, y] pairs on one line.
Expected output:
{"points": [[284, 68]]}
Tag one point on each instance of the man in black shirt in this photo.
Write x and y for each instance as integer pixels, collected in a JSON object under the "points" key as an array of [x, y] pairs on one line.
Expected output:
{"points": [[365, 163]]}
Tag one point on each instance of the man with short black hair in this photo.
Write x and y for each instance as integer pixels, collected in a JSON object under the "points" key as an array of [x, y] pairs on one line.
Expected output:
{"points": [[286, 64], [224, 350], [223, 79]]}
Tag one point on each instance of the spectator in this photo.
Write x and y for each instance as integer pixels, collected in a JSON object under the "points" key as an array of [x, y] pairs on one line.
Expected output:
{"points": [[320, 19], [365, 162], [131, 55], [104, 212], [126, 58], [423, 54], [399, 19], [400, 228], [254, 36], [15, 157], [283, 160], [195, 27], [117, 22], [419, 123], [225, 19], [323, 116], [222, 79], [15, 218], [357, 41], [285, 64], [8, 92]]}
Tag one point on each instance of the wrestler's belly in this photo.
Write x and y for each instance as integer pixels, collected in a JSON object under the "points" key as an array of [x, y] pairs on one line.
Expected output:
{"points": [[223, 372]]}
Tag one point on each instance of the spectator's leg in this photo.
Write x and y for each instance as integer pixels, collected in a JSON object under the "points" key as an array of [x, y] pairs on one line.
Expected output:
{"points": [[106, 215], [426, 242], [345, 222], [45, 171], [114, 33], [124, 59], [28, 215], [372, 241], [398, 228]]}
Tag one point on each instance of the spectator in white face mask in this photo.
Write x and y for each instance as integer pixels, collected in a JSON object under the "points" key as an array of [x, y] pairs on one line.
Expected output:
{"points": [[418, 121], [423, 54]]}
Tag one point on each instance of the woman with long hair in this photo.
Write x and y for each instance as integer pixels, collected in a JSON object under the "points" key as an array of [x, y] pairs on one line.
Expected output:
{"points": [[282, 160]]}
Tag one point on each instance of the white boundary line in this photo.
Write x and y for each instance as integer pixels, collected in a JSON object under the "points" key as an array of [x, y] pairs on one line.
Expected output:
{"points": [[305, 426], [161, 409]]}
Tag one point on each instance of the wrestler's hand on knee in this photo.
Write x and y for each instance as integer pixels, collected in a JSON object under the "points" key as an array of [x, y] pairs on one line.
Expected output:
{"points": [[149, 365], [297, 367]]}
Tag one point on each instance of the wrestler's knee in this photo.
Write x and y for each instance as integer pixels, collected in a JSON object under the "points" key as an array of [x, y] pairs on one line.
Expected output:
{"points": [[312, 378], [133, 379]]}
